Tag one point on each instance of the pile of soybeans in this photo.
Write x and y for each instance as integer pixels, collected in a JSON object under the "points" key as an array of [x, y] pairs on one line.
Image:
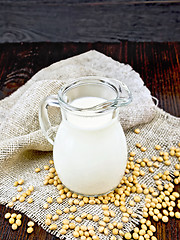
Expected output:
{"points": [[158, 202]]}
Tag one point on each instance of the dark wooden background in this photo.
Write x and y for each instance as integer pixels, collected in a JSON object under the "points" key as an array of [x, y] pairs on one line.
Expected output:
{"points": [[157, 63], [89, 20]]}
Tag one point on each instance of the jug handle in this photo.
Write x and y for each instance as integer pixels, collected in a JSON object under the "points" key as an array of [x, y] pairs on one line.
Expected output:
{"points": [[44, 122]]}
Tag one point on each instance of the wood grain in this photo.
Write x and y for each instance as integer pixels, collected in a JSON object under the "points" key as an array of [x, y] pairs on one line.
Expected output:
{"points": [[89, 20], [157, 63]]}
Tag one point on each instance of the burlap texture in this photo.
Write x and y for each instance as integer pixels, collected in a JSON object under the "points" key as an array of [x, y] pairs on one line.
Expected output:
{"points": [[23, 147]]}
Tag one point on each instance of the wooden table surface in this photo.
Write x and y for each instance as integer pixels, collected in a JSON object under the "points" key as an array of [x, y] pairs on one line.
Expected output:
{"points": [[157, 63]]}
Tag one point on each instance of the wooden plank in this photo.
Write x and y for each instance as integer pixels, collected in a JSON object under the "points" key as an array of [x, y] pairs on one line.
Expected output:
{"points": [[157, 63], [90, 2], [89, 21]]}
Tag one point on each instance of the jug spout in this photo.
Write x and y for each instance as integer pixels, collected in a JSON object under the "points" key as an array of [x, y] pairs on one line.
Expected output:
{"points": [[123, 98]]}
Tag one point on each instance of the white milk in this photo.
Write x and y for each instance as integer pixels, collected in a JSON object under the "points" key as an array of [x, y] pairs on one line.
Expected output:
{"points": [[90, 153]]}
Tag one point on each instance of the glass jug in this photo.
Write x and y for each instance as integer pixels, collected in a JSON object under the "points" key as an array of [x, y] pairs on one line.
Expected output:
{"points": [[89, 149]]}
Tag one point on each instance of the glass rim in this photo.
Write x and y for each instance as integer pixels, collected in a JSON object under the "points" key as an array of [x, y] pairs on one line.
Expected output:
{"points": [[106, 106]]}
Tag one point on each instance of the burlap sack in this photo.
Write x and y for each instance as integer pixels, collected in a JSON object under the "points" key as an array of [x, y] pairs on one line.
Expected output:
{"points": [[23, 147]]}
